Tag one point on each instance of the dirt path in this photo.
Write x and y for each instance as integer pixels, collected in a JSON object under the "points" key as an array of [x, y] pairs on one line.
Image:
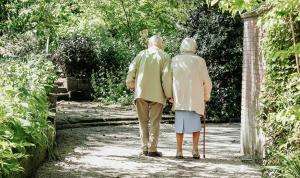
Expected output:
{"points": [[112, 151]]}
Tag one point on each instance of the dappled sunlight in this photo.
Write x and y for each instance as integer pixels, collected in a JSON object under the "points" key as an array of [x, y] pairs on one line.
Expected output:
{"points": [[231, 61], [114, 151]]}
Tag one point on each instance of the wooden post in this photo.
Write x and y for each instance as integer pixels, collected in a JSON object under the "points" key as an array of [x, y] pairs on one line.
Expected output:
{"points": [[252, 139]]}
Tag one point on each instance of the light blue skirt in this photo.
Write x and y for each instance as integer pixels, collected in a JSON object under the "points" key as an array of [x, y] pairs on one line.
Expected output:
{"points": [[187, 122]]}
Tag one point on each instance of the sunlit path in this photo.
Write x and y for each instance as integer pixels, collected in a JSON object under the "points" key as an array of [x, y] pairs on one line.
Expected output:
{"points": [[71, 70], [112, 151]]}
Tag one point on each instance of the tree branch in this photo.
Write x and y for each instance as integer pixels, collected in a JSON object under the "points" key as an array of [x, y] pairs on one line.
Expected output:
{"points": [[127, 20]]}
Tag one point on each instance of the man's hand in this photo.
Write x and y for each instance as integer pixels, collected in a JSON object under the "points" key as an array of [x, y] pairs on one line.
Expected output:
{"points": [[131, 89], [171, 100]]}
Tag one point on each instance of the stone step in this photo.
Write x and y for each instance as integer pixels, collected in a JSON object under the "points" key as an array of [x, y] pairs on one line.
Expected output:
{"points": [[61, 90], [95, 124], [61, 96], [55, 87], [91, 120], [98, 120], [80, 95], [59, 83], [52, 101], [51, 117]]}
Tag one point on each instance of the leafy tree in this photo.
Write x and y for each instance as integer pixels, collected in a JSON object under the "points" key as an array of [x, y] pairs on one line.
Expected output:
{"points": [[133, 21], [42, 17]]}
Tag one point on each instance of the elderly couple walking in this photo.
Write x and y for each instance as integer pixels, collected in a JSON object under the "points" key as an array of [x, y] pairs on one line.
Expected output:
{"points": [[183, 80]]}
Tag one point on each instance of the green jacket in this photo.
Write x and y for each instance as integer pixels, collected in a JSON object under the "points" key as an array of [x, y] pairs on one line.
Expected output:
{"points": [[150, 75]]}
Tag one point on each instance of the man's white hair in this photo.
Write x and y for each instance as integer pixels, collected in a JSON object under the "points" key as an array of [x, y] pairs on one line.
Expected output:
{"points": [[155, 40], [188, 45]]}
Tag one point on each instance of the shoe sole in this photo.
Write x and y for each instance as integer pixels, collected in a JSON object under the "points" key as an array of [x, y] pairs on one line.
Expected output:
{"points": [[179, 157]]}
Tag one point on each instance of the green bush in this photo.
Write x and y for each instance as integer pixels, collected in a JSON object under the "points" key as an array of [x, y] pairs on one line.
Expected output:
{"points": [[218, 35], [18, 45], [280, 96], [24, 86], [108, 80], [76, 56], [122, 38]]}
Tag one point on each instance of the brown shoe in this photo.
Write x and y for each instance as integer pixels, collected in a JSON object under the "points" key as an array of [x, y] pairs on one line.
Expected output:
{"points": [[155, 154], [196, 154], [143, 153], [179, 155]]}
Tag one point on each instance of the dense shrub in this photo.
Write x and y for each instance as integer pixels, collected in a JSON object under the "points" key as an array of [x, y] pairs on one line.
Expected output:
{"points": [[76, 56], [18, 45], [24, 86], [108, 80], [219, 40], [128, 24], [280, 97]]}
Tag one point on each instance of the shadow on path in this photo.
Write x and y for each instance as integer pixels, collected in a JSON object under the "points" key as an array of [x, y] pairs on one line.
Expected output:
{"points": [[112, 151]]}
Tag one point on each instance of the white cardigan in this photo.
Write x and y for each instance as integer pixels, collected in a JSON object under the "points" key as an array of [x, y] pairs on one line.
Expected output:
{"points": [[191, 83]]}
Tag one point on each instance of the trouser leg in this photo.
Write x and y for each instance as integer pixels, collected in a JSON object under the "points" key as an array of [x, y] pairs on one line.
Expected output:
{"points": [[143, 114], [155, 115]]}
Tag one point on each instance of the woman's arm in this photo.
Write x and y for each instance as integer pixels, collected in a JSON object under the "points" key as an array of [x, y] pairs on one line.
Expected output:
{"points": [[206, 82]]}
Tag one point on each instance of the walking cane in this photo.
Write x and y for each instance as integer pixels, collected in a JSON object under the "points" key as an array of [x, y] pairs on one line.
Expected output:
{"points": [[204, 131]]}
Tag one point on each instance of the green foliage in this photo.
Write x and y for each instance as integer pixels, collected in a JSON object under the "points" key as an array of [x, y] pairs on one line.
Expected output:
{"points": [[120, 30], [76, 56], [280, 96], [133, 21], [219, 37], [43, 18], [24, 86], [129, 24], [108, 80], [19, 45]]}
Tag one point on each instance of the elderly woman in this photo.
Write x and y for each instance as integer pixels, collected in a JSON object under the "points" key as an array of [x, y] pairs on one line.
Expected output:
{"points": [[191, 89]]}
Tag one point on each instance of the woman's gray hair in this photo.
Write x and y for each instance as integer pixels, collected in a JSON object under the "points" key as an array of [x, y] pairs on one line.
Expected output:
{"points": [[155, 40], [188, 45]]}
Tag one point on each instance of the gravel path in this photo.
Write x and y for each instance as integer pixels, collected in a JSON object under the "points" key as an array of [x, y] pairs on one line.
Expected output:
{"points": [[112, 151]]}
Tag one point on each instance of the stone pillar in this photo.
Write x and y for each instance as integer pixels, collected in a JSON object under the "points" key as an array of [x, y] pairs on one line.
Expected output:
{"points": [[251, 136]]}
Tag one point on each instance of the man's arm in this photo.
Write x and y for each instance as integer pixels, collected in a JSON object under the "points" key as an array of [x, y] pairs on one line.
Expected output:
{"points": [[167, 78], [130, 79]]}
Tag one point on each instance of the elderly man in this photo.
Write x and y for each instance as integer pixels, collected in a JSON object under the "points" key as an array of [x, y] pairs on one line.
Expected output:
{"points": [[150, 78]]}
